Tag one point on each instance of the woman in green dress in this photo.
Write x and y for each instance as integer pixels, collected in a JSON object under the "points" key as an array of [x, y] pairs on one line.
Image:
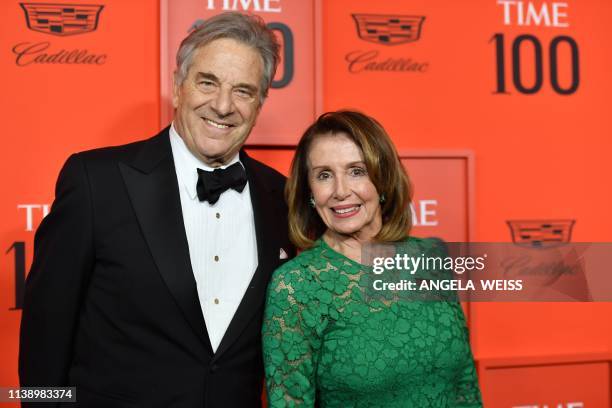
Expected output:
{"points": [[325, 341]]}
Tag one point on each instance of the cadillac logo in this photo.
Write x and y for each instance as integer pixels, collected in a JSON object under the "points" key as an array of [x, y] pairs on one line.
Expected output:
{"points": [[541, 233], [62, 19], [388, 29]]}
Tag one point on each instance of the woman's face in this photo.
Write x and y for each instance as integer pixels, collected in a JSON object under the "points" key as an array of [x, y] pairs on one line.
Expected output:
{"points": [[345, 198]]}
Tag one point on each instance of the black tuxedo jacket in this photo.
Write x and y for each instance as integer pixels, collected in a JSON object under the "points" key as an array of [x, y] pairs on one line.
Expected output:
{"points": [[111, 305]]}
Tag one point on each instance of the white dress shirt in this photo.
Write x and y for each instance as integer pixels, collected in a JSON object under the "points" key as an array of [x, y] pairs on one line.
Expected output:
{"points": [[221, 238]]}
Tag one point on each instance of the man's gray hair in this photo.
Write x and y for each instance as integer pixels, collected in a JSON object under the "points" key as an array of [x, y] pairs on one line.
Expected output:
{"points": [[248, 29]]}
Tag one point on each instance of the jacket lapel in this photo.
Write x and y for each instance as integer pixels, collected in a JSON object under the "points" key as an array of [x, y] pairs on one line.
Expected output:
{"points": [[150, 178], [265, 213]]}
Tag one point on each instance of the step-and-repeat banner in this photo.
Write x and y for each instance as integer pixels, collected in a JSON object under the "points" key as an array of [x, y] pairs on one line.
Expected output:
{"points": [[499, 109]]}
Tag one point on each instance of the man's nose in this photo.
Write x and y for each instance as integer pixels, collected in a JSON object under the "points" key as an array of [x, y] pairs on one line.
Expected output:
{"points": [[222, 104]]}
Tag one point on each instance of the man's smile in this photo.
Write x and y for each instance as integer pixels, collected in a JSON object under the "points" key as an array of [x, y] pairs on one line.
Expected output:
{"points": [[218, 125]]}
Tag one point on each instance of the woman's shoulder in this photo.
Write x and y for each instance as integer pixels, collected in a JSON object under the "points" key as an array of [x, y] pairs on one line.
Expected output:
{"points": [[301, 266], [305, 258], [424, 245]]}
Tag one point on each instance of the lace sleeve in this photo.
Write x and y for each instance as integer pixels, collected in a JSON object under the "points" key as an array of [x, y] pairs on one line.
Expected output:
{"points": [[468, 392], [466, 383], [293, 323]]}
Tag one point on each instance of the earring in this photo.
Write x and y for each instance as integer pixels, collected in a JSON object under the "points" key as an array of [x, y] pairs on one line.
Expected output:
{"points": [[382, 198], [311, 201]]}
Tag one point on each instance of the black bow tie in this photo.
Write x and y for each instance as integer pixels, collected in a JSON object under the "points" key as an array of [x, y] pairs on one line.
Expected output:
{"points": [[211, 184]]}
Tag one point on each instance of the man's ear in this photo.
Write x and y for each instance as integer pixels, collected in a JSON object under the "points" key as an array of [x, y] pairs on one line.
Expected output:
{"points": [[258, 112], [175, 90]]}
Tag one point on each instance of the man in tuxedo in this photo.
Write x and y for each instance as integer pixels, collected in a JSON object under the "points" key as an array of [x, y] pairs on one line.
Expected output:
{"points": [[150, 272]]}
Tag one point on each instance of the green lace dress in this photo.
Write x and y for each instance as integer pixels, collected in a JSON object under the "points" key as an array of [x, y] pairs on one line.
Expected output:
{"points": [[324, 340]]}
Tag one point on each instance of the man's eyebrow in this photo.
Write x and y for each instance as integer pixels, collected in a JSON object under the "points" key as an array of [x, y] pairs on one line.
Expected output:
{"points": [[206, 75], [250, 87], [213, 77]]}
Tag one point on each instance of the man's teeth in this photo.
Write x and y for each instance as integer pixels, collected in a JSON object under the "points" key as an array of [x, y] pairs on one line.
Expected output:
{"points": [[217, 125], [346, 210]]}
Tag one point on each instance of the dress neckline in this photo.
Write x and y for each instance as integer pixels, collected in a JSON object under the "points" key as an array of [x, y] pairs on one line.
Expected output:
{"points": [[326, 246]]}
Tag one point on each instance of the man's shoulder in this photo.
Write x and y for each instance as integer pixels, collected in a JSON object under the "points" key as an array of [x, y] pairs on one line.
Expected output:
{"points": [[111, 154], [266, 171]]}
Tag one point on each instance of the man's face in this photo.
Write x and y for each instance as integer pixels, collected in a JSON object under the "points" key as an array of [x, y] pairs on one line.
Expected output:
{"points": [[218, 102]]}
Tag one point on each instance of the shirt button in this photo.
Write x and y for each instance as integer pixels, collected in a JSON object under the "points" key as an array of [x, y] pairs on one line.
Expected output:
{"points": [[216, 258], [218, 215], [216, 301]]}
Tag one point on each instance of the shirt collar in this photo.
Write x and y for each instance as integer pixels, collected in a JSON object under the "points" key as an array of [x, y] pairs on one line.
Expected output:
{"points": [[187, 164]]}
